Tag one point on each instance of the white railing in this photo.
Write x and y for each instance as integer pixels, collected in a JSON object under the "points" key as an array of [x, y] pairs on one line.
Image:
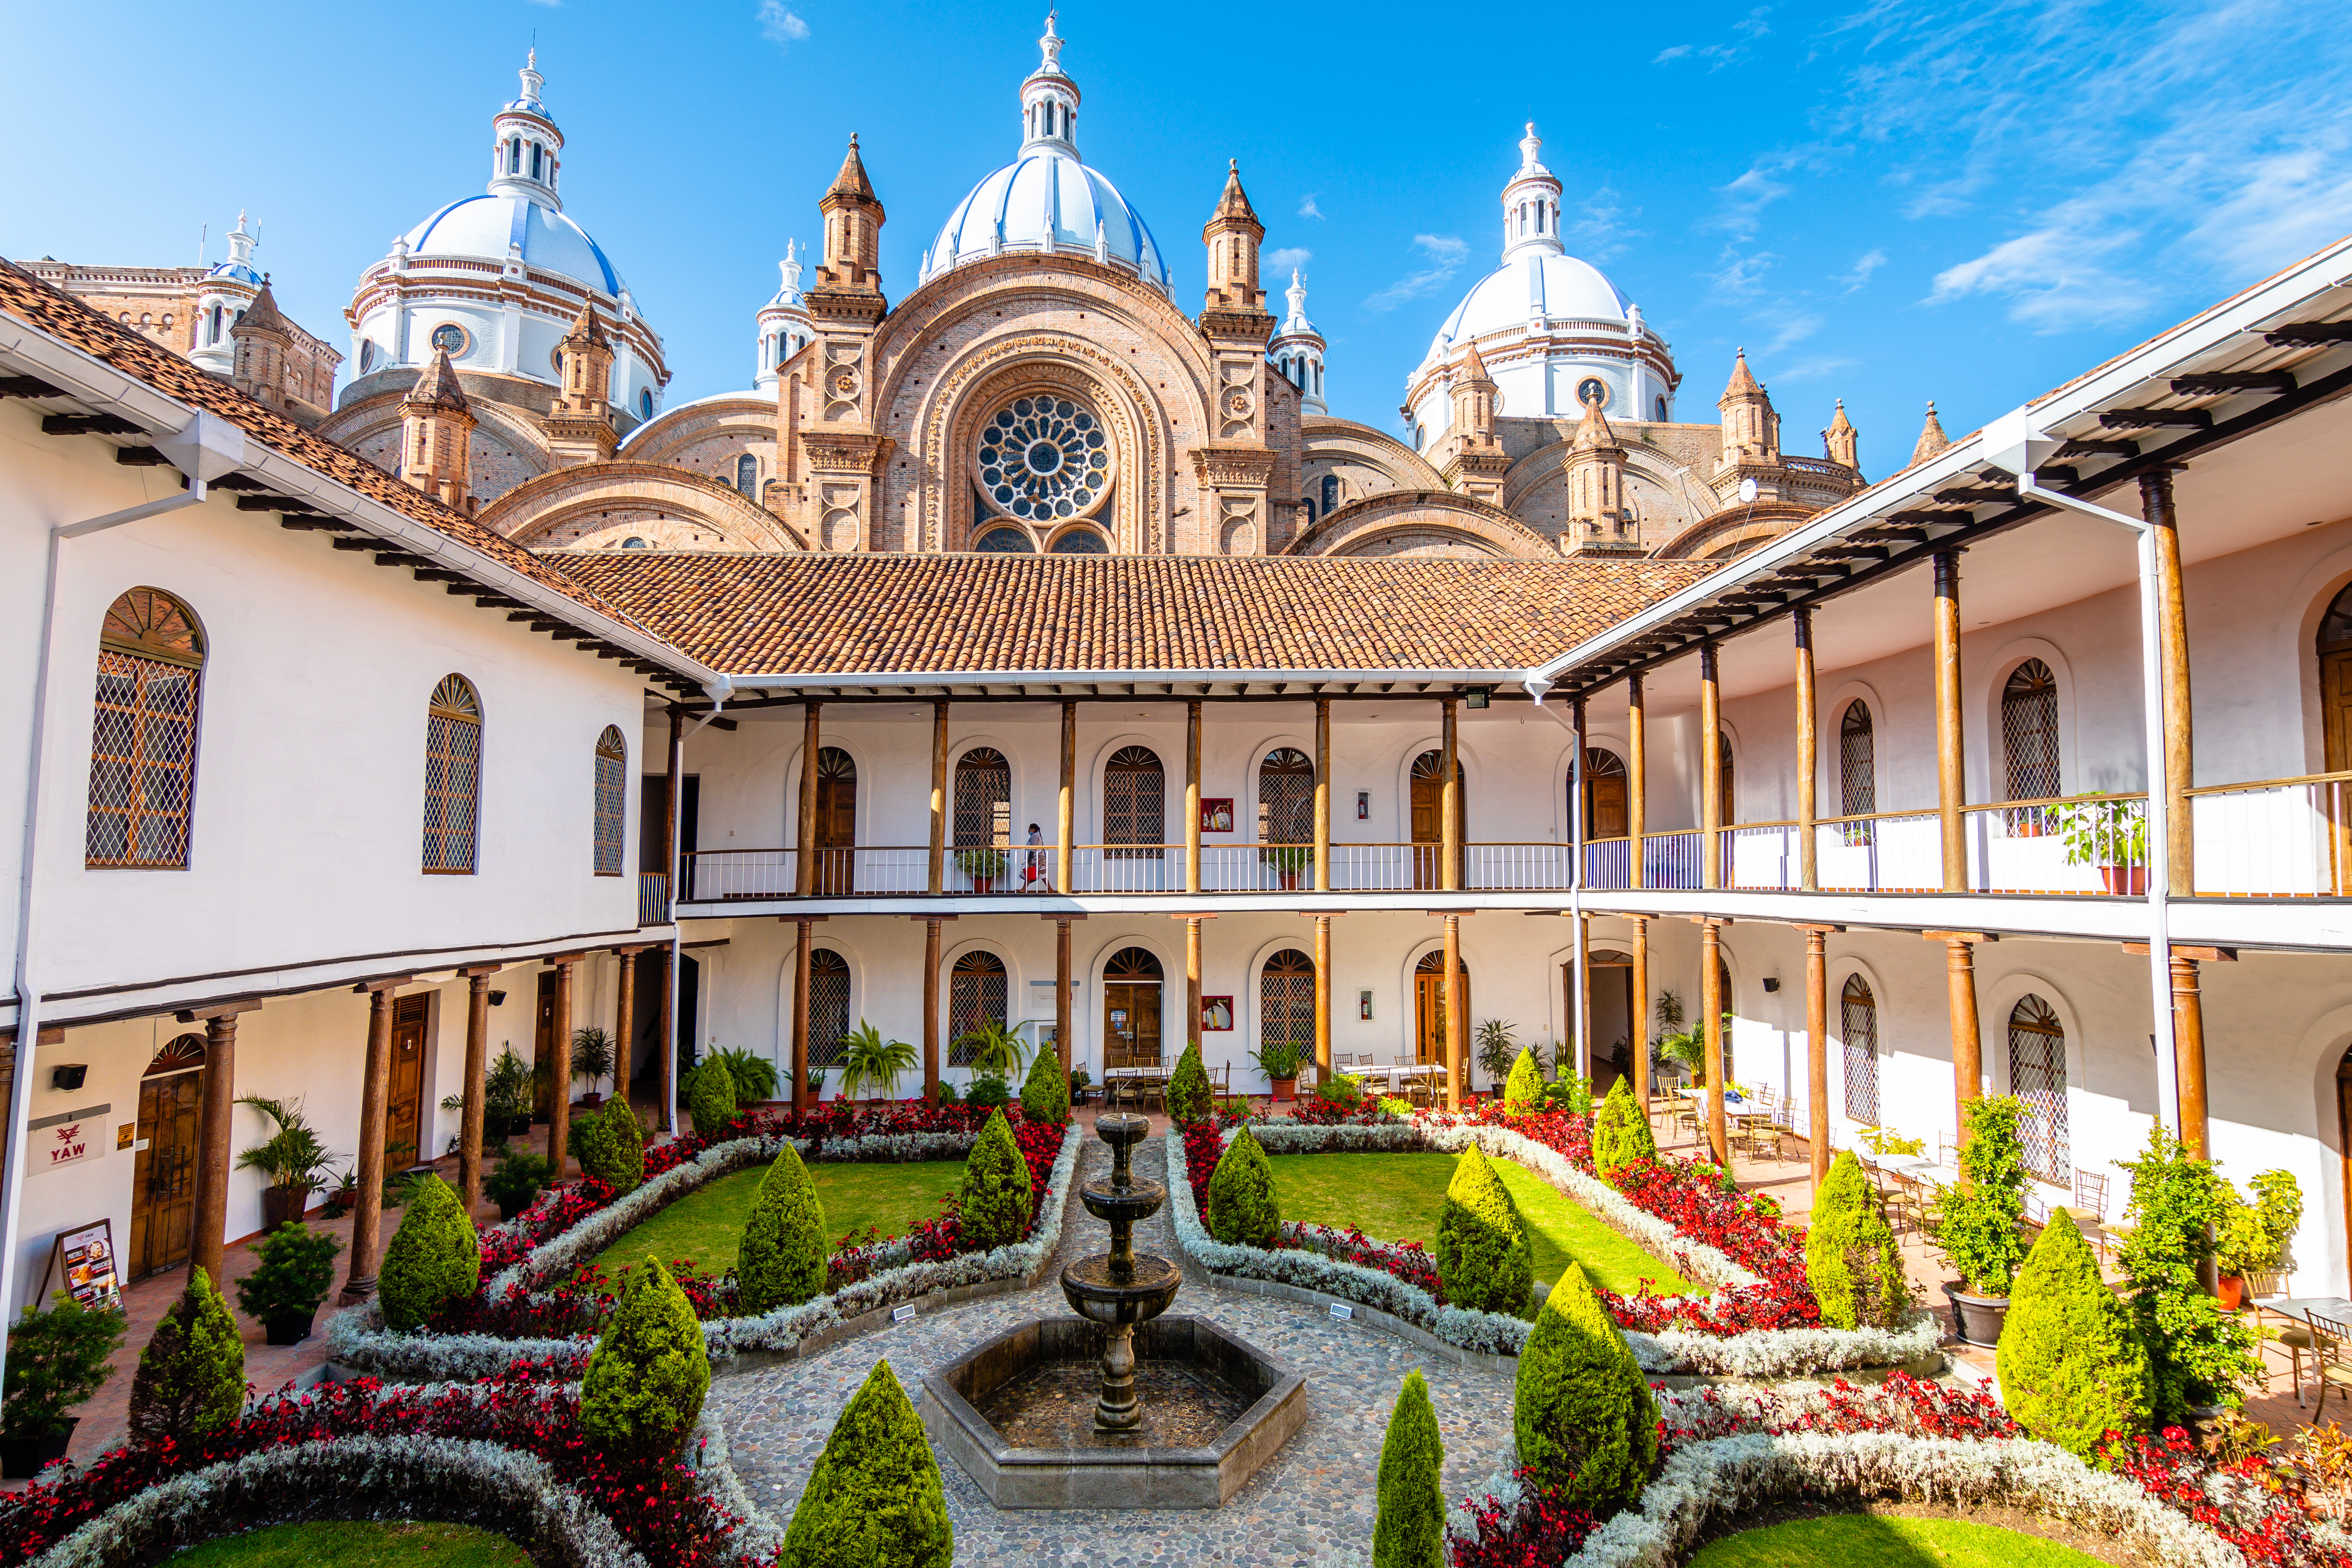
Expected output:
{"points": [[1767, 854], [741, 874], [1673, 859], [2083, 845], [1883, 853], [2284, 838], [1125, 868], [1609, 864], [1518, 868], [1384, 867]]}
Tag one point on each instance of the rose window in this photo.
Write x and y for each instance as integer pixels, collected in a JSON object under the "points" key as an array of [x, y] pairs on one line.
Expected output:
{"points": [[1044, 458]]}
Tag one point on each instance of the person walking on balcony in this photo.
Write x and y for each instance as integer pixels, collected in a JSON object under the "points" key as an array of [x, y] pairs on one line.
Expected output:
{"points": [[1034, 878]]}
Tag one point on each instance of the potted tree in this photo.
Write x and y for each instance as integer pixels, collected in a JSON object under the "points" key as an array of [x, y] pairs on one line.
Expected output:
{"points": [[505, 1097], [1280, 1061], [984, 863], [2254, 1238], [517, 1180], [295, 1272], [2109, 834], [1289, 861], [1498, 1050], [56, 1360], [593, 1056], [1976, 1222], [292, 1159]]}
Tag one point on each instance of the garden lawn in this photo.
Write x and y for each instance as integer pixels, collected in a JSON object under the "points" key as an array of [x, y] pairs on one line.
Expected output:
{"points": [[1398, 1197], [707, 1226], [1875, 1540], [352, 1545]]}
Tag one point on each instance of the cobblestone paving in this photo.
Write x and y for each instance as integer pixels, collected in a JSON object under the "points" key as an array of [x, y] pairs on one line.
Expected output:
{"points": [[1314, 1503]]}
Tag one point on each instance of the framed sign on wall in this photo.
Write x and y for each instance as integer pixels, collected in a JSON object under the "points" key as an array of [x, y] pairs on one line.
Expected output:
{"points": [[1216, 816], [1216, 1014]]}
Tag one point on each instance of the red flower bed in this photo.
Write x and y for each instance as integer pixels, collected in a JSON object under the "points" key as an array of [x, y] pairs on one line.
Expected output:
{"points": [[1536, 1532], [1697, 1201], [528, 1409], [2259, 1504]]}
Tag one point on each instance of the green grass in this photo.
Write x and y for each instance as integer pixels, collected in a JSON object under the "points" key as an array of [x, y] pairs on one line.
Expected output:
{"points": [[357, 1545], [1398, 1197], [707, 1226], [1874, 1540]]}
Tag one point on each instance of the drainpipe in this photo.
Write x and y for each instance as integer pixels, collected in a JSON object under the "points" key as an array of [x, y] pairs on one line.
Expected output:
{"points": [[718, 690], [1538, 687], [206, 448]]}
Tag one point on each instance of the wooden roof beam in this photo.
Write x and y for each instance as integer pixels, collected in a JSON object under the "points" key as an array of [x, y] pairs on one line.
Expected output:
{"points": [[2211, 382], [2306, 334], [2153, 418], [87, 425], [28, 386]]}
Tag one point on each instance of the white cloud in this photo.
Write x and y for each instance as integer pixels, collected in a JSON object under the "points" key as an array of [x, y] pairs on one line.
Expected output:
{"points": [[1603, 226], [1442, 255], [779, 25], [1863, 269], [1288, 256], [1307, 207], [1671, 52]]}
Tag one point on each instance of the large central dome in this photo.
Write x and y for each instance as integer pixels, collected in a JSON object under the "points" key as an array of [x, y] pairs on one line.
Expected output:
{"points": [[1047, 200]]}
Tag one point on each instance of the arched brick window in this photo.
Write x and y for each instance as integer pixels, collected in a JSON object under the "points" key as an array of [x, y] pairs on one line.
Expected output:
{"points": [[142, 751], [453, 775], [612, 799]]}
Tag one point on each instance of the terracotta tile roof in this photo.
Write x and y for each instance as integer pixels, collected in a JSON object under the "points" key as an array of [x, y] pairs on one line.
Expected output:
{"points": [[67, 318], [821, 614]]}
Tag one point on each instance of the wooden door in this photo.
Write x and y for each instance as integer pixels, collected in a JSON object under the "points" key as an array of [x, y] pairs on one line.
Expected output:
{"points": [[542, 1047], [2344, 1133], [1428, 809], [1604, 794], [404, 1112], [2336, 718], [1428, 1008], [163, 1173], [836, 821]]}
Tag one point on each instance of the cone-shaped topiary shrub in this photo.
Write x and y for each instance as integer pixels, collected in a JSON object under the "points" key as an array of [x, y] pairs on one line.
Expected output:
{"points": [[711, 1098], [2071, 1367], [1045, 1092], [1852, 1260], [1242, 1210], [645, 1381], [1582, 1412], [1620, 1131], [1189, 1100], [1409, 1532], [1524, 1090], [613, 1146], [994, 1204], [781, 1263], [1484, 1258], [190, 1377], [434, 1258], [874, 1500]]}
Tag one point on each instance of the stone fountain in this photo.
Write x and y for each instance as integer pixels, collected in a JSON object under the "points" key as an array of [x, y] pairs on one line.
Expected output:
{"points": [[1118, 1406]]}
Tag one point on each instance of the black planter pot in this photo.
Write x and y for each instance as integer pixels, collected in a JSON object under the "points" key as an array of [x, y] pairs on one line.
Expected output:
{"points": [[507, 1211], [279, 1205], [21, 1458], [288, 1327], [1979, 1317]]}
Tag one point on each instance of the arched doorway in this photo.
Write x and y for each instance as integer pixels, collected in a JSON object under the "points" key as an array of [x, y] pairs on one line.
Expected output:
{"points": [[2334, 651], [828, 1007], [2037, 1075], [1131, 985], [163, 1173], [836, 821], [1604, 794], [1428, 818], [1429, 1007], [1285, 1003], [1608, 990], [1724, 792]]}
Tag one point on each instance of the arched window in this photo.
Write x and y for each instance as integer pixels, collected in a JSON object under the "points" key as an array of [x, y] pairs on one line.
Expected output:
{"points": [[537, 154], [143, 747], [1134, 801], [1859, 1017], [983, 797], [828, 1007], [1004, 541], [976, 991], [612, 799], [1604, 794], [1080, 541], [2029, 733], [453, 775], [1330, 494], [1285, 1002], [1661, 408], [2335, 648], [1286, 797], [2037, 1075], [747, 475], [634, 543], [1857, 771], [646, 404], [1727, 779]]}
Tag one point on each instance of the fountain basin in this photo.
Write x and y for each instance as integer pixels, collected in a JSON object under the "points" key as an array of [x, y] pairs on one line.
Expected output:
{"points": [[1180, 1459], [1095, 1291]]}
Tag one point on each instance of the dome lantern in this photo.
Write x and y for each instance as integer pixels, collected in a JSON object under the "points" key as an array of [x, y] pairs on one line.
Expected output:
{"points": [[1531, 203], [1049, 99], [785, 325], [526, 145], [1297, 350]]}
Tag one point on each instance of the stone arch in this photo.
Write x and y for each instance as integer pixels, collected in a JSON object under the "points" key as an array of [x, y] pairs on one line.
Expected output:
{"points": [[1325, 442], [1421, 522], [1732, 532], [562, 509], [712, 431]]}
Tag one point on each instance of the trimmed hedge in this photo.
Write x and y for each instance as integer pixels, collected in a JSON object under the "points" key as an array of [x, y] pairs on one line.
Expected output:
{"points": [[1525, 1088], [1852, 1260], [874, 1500], [994, 1204], [1188, 1097], [613, 1146], [2071, 1367], [1582, 1412], [1045, 1093], [1409, 1532], [1484, 1258], [781, 1263], [1243, 1209], [1621, 1132], [645, 1385], [190, 1377], [711, 1098], [434, 1259]]}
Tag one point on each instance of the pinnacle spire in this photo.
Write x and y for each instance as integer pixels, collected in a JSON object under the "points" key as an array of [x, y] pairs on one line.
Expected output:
{"points": [[263, 313], [437, 387], [1234, 201], [1742, 383], [1592, 431], [587, 327], [1474, 366], [852, 181], [1932, 439]]}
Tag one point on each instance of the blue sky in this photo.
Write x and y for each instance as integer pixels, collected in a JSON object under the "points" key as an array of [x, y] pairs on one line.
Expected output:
{"points": [[1887, 201]]}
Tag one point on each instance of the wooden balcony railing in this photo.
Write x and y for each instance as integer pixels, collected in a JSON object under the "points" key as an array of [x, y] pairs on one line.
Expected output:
{"points": [[652, 898]]}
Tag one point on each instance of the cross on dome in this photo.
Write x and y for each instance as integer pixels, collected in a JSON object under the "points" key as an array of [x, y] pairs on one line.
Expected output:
{"points": [[532, 82], [1050, 46]]}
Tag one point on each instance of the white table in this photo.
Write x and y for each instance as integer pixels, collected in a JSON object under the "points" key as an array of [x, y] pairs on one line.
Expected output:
{"points": [[1396, 1077]]}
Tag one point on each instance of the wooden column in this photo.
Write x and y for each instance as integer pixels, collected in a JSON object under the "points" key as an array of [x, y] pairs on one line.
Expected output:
{"points": [[939, 811], [1582, 1023], [1710, 769], [2189, 1051], [477, 1052], [1808, 752], [1968, 1040], [1193, 820], [671, 826], [1449, 799], [367, 1179], [559, 1103], [1065, 816], [1637, 780], [1711, 991], [804, 943], [1817, 1049], [1951, 785], [931, 1009], [1456, 1035], [1322, 999], [1323, 830], [811, 740], [625, 1017], [2172, 663], [210, 1220], [1192, 977], [1062, 992]]}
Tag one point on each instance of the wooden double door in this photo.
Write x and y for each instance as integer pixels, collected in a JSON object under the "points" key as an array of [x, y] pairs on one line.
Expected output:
{"points": [[1429, 817], [404, 1113], [163, 1173], [1131, 991], [1429, 1003]]}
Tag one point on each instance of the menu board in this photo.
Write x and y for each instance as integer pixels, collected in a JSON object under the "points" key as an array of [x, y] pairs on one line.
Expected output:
{"points": [[86, 1258]]}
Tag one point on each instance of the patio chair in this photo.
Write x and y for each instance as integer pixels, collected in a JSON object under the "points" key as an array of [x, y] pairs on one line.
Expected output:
{"points": [[2294, 1336], [2329, 1367], [1119, 1093], [1220, 1085], [1763, 1140]]}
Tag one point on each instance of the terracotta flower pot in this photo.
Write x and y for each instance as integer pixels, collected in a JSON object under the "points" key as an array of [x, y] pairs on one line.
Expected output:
{"points": [[1284, 1088], [2123, 879], [2232, 1292], [1979, 1317], [980, 884], [21, 1458]]}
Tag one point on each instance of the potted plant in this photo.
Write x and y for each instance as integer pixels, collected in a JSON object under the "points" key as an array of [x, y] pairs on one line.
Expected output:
{"points": [[56, 1360], [983, 863], [756, 1078], [1498, 1049], [345, 1197], [2253, 1237], [871, 1062], [295, 1272], [1288, 861], [593, 1055], [992, 1050], [292, 1159], [1976, 1222], [517, 1181], [1280, 1061], [2109, 834]]}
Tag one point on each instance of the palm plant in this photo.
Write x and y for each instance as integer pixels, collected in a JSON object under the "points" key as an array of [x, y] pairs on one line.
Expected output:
{"points": [[872, 1063], [594, 1052], [994, 1050], [754, 1076], [1498, 1049], [291, 1157]]}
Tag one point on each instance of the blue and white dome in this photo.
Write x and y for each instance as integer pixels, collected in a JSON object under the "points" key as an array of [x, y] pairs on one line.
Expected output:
{"points": [[1047, 200], [484, 227]]}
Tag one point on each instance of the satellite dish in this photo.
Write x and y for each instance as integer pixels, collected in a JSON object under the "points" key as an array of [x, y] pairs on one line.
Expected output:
{"points": [[1747, 489]]}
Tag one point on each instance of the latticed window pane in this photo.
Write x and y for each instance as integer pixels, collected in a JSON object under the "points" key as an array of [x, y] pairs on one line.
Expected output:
{"points": [[828, 1008], [1286, 997], [1135, 798], [1860, 1017], [453, 761], [1857, 771], [2037, 1075], [2029, 744], [976, 994], [1286, 797], [612, 799], [143, 734], [984, 796]]}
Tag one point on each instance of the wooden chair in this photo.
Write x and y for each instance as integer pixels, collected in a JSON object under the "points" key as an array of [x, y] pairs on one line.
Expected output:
{"points": [[2329, 1367], [1220, 1086], [1763, 1139]]}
